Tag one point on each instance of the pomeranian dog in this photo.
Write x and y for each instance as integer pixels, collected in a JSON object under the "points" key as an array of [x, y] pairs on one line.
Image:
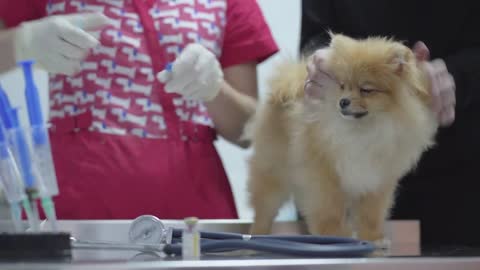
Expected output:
{"points": [[341, 148]]}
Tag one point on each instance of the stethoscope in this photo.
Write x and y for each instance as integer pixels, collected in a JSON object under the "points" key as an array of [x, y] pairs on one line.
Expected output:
{"points": [[148, 234]]}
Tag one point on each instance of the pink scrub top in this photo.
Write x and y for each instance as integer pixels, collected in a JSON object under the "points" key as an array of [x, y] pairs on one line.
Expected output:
{"points": [[122, 146]]}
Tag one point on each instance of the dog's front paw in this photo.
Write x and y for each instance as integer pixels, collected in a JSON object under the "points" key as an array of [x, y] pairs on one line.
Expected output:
{"points": [[383, 243], [260, 229]]}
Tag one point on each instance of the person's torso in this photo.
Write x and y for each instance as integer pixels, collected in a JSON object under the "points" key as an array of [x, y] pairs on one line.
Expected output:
{"points": [[117, 87]]}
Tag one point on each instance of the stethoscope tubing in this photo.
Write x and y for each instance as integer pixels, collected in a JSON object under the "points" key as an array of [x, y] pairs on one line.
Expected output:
{"points": [[292, 245]]}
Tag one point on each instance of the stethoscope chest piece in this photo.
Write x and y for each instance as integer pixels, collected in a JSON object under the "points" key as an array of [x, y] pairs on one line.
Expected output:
{"points": [[147, 229]]}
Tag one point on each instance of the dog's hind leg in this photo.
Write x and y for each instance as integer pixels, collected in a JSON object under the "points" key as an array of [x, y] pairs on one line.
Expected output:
{"points": [[267, 195]]}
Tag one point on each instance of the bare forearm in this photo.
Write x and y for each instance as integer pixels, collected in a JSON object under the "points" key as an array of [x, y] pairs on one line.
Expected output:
{"points": [[230, 110], [7, 50]]}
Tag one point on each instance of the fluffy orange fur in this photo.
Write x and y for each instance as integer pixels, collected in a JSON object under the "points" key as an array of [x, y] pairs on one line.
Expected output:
{"points": [[341, 166]]}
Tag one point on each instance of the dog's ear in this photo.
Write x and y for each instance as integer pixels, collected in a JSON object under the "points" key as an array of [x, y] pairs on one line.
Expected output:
{"points": [[341, 43], [406, 63], [399, 58]]}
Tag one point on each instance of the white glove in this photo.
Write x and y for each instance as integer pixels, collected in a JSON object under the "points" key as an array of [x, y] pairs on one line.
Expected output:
{"points": [[196, 74], [58, 44]]}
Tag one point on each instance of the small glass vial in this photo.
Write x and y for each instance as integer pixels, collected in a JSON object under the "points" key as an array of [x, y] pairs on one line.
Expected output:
{"points": [[191, 240]]}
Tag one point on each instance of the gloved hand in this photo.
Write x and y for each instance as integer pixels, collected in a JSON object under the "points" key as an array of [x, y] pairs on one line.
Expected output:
{"points": [[196, 74], [442, 82], [58, 44]]}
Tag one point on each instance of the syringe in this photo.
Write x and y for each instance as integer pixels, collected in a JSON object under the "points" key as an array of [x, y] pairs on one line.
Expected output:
{"points": [[27, 171], [16, 139], [10, 181], [42, 153]]}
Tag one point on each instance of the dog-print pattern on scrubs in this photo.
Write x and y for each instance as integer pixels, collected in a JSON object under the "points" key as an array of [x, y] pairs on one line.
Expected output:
{"points": [[117, 80]]}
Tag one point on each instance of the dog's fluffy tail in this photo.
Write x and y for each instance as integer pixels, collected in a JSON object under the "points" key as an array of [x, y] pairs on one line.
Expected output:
{"points": [[285, 86], [287, 82]]}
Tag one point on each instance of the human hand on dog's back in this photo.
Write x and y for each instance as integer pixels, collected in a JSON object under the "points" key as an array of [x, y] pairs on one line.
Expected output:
{"points": [[442, 82], [318, 78]]}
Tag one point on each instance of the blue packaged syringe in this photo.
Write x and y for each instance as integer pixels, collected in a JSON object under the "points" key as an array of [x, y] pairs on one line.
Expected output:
{"points": [[16, 140], [42, 154], [10, 181]]}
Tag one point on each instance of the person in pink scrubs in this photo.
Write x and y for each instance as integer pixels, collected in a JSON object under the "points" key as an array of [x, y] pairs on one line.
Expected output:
{"points": [[130, 136]]}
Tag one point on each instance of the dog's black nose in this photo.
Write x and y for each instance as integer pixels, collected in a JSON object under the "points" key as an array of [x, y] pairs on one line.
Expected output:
{"points": [[344, 102]]}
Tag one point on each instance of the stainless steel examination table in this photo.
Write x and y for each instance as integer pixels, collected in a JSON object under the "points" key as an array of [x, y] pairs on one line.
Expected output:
{"points": [[405, 251]]}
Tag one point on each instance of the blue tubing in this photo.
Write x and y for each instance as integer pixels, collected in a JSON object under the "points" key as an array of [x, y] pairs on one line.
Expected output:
{"points": [[292, 245]]}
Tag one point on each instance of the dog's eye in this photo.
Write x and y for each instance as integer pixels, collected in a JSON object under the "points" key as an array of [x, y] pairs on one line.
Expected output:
{"points": [[366, 91]]}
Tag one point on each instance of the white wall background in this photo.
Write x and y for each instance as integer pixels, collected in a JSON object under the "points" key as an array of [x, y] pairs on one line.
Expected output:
{"points": [[283, 18]]}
